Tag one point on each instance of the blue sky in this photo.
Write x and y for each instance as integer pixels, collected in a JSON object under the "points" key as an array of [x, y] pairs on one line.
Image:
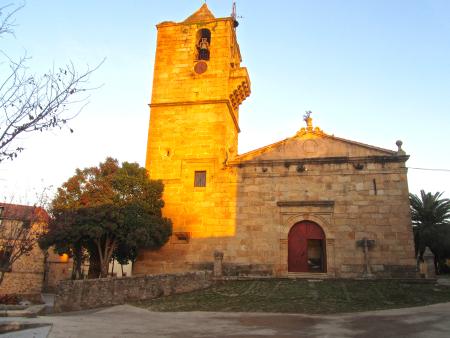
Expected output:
{"points": [[371, 71]]}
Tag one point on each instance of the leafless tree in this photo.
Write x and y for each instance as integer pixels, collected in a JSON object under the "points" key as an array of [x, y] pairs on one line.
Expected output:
{"points": [[31, 103], [7, 22]]}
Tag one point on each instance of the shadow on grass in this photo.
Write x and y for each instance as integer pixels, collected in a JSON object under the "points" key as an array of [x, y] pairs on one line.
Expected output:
{"points": [[302, 296]]}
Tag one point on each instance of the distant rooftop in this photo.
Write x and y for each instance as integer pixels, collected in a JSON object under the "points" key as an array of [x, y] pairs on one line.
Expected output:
{"points": [[22, 212]]}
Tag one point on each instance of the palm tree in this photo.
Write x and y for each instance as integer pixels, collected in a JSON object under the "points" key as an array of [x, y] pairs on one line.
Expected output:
{"points": [[430, 215], [429, 209]]}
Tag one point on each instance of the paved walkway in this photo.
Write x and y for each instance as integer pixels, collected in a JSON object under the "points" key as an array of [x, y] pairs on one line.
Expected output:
{"points": [[129, 321]]}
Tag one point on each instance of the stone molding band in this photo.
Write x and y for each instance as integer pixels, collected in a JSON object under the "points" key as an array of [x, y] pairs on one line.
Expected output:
{"points": [[322, 160], [305, 203], [203, 102]]}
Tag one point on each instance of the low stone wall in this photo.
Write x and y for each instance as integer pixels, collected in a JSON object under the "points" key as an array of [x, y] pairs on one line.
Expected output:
{"points": [[94, 293], [237, 270], [380, 271]]}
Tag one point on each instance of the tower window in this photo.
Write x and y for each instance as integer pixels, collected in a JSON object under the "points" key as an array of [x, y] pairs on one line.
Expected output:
{"points": [[181, 237], [203, 43], [200, 179]]}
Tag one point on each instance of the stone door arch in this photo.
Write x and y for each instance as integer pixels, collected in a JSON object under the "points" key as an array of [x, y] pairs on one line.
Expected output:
{"points": [[306, 248]]}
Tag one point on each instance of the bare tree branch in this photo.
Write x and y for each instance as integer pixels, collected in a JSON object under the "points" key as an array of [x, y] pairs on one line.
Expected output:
{"points": [[31, 103], [6, 21]]}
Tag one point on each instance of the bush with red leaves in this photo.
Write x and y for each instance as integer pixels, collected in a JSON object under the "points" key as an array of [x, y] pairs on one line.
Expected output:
{"points": [[9, 299]]}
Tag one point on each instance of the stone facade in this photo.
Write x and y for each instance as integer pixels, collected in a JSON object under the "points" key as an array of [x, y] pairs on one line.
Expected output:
{"points": [[26, 274], [193, 127], [352, 191], [57, 268], [92, 293], [251, 202], [34, 271]]}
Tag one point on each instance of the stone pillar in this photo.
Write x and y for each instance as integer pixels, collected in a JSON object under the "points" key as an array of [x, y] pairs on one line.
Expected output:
{"points": [[366, 244], [428, 258], [218, 258]]}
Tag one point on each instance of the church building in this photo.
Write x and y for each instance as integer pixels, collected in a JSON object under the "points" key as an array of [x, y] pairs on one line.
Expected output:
{"points": [[312, 204]]}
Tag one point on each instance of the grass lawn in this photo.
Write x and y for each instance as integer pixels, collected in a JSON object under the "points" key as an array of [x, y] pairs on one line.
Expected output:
{"points": [[302, 296]]}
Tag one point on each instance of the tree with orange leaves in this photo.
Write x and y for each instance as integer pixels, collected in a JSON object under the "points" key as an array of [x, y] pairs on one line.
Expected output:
{"points": [[105, 209]]}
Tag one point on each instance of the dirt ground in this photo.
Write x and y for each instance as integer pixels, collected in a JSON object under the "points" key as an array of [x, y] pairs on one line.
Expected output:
{"points": [[129, 321]]}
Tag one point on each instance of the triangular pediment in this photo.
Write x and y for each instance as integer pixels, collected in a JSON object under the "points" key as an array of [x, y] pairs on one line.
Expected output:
{"points": [[202, 14], [314, 143]]}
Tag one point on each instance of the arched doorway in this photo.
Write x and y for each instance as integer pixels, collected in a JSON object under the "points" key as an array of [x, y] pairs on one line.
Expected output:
{"points": [[306, 248]]}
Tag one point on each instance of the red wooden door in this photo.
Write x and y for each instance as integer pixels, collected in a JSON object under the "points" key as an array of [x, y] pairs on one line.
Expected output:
{"points": [[298, 244]]}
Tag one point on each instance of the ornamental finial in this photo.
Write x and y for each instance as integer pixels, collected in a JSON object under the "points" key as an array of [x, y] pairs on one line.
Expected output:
{"points": [[307, 118], [309, 126]]}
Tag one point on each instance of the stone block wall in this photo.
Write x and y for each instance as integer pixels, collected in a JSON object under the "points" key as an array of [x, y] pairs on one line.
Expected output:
{"points": [[194, 128], [58, 268], [26, 277], [94, 293], [251, 201], [347, 204]]}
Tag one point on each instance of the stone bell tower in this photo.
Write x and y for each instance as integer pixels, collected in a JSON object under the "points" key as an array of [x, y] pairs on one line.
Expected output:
{"points": [[198, 86]]}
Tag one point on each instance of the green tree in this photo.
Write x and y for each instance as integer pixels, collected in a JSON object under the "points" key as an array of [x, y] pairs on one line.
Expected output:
{"points": [[430, 215], [429, 209], [65, 238], [110, 211]]}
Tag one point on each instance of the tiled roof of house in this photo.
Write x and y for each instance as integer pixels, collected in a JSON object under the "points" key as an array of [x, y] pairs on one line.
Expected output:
{"points": [[22, 212]]}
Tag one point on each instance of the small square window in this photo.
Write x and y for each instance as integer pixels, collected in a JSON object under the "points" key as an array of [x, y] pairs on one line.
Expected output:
{"points": [[200, 179]]}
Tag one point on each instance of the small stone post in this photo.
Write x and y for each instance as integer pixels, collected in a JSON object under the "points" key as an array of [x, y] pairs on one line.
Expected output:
{"points": [[218, 258], [428, 258]]}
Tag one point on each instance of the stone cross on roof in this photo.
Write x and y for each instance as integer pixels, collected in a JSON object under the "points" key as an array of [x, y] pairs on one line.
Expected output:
{"points": [[307, 118], [309, 126]]}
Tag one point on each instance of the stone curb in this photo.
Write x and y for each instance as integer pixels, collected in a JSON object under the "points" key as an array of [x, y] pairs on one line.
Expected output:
{"points": [[326, 278], [4, 307], [17, 327], [24, 311], [443, 281], [17, 313]]}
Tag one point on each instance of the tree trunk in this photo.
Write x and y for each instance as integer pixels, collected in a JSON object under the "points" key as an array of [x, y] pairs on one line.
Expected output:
{"points": [[78, 257], [74, 269], [2, 275], [104, 270], [105, 249], [94, 265]]}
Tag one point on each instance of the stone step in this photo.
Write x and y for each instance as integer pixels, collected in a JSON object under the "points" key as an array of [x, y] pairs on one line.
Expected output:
{"points": [[308, 275]]}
